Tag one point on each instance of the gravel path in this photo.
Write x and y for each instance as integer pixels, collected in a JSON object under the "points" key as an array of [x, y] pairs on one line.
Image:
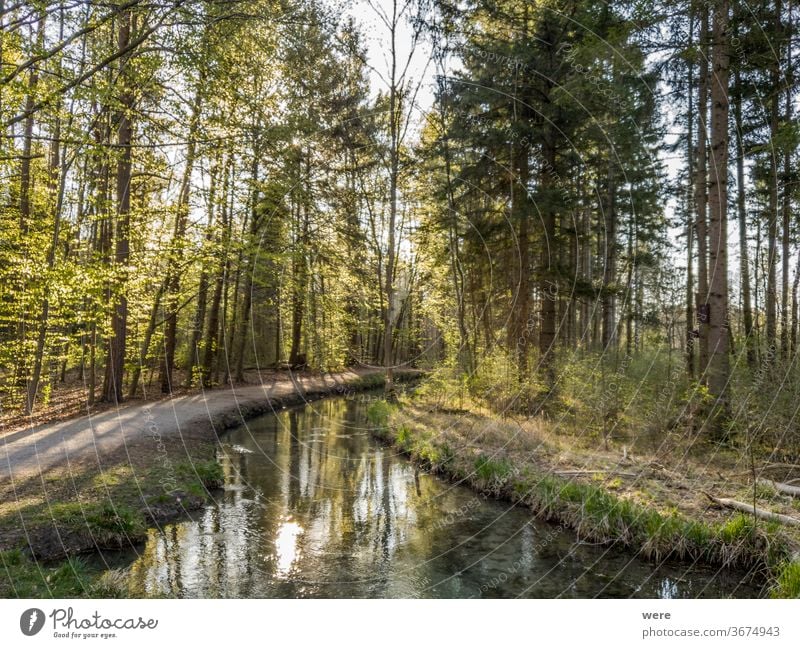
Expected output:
{"points": [[201, 416]]}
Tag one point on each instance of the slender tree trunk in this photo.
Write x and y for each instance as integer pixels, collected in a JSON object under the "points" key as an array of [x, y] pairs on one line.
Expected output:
{"points": [[301, 272], [700, 200], [772, 231], [794, 304], [57, 174], [247, 296], [744, 255], [547, 331], [630, 287], [690, 117], [522, 311], [152, 323], [609, 339], [395, 114], [786, 191], [178, 242], [193, 361], [27, 137], [115, 357], [211, 344], [719, 367], [22, 366], [234, 308]]}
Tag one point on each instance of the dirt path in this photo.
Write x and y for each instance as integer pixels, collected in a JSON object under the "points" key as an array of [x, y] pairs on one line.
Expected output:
{"points": [[200, 416]]}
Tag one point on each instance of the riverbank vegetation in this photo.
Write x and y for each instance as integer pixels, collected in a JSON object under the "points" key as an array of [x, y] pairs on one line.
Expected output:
{"points": [[578, 218], [89, 507], [660, 510]]}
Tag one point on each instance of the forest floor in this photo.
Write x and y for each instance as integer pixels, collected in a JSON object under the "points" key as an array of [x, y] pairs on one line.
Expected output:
{"points": [[75, 484], [649, 495]]}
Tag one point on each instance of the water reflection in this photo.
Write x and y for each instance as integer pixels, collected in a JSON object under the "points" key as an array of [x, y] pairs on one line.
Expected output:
{"points": [[313, 507]]}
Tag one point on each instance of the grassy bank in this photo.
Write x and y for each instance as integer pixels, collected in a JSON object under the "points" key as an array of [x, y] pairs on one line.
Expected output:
{"points": [[650, 514], [47, 523]]}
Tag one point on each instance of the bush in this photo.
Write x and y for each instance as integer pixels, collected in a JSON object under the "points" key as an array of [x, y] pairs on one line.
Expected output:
{"points": [[378, 413]]}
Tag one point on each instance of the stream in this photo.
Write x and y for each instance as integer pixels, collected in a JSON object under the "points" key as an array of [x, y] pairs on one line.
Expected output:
{"points": [[313, 506]]}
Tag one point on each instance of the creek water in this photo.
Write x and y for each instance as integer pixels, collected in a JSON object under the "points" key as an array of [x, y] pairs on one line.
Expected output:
{"points": [[313, 506]]}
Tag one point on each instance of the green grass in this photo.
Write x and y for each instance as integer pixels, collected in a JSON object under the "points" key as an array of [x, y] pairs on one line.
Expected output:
{"points": [[378, 413], [110, 510], [788, 581], [198, 477], [492, 472], [109, 525], [23, 577]]}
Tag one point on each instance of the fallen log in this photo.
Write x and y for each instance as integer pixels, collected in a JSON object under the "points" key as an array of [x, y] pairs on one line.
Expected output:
{"points": [[769, 466], [786, 489], [580, 473], [753, 510]]}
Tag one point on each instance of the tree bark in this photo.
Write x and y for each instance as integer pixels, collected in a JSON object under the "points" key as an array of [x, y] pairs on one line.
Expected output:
{"points": [[701, 183], [786, 190], [744, 254], [115, 356], [772, 215], [247, 296], [57, 173], [178, 242], [689, 351], [719, 362]]}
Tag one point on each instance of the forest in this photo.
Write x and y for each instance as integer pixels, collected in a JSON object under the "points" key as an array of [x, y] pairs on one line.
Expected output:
{"points": [[574, 224]]}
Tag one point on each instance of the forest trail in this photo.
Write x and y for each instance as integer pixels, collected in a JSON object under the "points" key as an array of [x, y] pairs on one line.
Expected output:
{"points": [[199, 416]]}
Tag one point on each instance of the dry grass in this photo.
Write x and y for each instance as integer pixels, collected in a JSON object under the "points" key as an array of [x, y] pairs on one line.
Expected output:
{"points": [[650, 500]]}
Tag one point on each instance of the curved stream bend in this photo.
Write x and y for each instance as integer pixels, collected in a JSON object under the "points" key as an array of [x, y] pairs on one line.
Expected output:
{"points": [[314, 507]]}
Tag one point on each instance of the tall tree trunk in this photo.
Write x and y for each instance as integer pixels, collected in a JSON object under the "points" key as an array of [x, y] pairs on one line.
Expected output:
{"points": [[178, 241], [794, 305], [522, 309], [212, 340], [786, 188], [247, 296], [27, 136], [744, 255], [234, 307], [193, 361], [609, 340], [22, 368], [701, 197], [394, 172], [772, 230], [690, 117], [547, 331], [719, 367], [57, 187], [115, 356], [300, 271]]}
